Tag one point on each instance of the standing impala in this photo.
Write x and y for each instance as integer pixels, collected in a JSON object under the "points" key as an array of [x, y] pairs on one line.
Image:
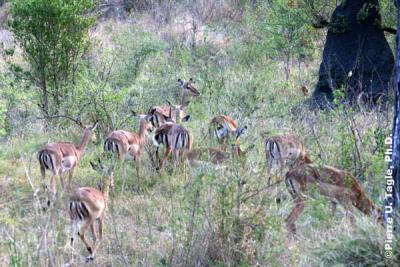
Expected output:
{"points": [[60, 157], [176, 139], [87, 205], [176, 113], [126, 144], [338, 185]]}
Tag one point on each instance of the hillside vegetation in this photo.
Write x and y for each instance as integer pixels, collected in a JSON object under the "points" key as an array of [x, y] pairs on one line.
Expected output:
{"points": [[250, 63]]}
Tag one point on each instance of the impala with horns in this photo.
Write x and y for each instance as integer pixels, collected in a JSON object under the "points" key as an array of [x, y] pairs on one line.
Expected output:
{"points": [[60, 157], [175, 113], [129, 145], [338, 185], [223, 127], [87, 205], [176, 139]]}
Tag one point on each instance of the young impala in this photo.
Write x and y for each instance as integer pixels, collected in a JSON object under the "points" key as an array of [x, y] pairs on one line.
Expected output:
{"points": [[215, 155], [224, 128], [60, 157], [126, 144], [175, 113], [338, 185], [87, 205], [176, 139]]}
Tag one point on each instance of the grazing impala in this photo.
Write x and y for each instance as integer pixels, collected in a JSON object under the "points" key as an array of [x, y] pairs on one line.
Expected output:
{"points": [[60, 157], [126, 144], [215, 155], [86, 206], [175, 113], [279, 148], [176, 139], [222, 127], [338, 185]]}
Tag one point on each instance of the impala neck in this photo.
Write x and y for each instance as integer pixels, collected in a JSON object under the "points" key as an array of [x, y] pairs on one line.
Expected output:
{"points": [[85, 140], [106, 190], [142, 130]]}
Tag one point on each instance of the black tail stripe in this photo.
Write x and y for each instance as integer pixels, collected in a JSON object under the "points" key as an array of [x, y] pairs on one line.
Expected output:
{"points": [[77, 212], [84, 210]]}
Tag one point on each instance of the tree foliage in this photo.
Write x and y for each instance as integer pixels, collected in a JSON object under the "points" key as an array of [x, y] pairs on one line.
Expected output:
{"points": [[54, 36]]}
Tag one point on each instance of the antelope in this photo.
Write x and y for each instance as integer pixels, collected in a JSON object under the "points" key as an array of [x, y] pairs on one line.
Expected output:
{"points": [[176, 113], [126, 144], [176, 139], [338, 185], [222, 127], [215, 155], [279, 148], [87, 205], [60, 157]]}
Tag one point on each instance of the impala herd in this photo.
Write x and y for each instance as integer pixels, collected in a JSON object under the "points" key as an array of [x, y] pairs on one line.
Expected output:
{"points": [[87, 205]]}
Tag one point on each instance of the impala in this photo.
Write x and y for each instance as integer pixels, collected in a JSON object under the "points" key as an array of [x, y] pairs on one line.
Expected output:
{"points": [[223, 127], [215, 155], [279, 148], [60, 157], [87, 205], [126, 144], [175, 138], [338, 185], [175, 113]]}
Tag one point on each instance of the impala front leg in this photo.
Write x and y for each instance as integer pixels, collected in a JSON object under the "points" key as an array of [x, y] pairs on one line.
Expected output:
{"points": [[297, 210]]}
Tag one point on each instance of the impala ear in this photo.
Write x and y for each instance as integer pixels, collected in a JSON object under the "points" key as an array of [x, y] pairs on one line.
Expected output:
{"points": [[180, 82], [95, 125], [186, 118]]}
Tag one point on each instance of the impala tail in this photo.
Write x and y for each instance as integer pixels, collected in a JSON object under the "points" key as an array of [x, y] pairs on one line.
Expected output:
{"points": [[77, 212], [272, 149], [113, 146], [47, 160], [183, 140]]}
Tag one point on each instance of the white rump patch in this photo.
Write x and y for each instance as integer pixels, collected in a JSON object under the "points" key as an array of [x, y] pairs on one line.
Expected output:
{"points": [[67, 163]]}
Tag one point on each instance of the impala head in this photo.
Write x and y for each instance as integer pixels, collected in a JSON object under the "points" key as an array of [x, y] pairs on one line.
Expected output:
{"points": [[189, 87], [146, 122], [89, 130], [105, 172], [177, 113]]}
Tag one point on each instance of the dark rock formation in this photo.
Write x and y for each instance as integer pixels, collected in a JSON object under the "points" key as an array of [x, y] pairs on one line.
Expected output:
{"points": [[356, 56]]}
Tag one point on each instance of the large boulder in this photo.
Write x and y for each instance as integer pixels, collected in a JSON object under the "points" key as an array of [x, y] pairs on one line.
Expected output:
{"points": [[356, 56]]}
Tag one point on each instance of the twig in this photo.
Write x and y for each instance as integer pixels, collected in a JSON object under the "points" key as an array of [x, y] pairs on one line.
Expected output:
{"points": [[259, 191]]}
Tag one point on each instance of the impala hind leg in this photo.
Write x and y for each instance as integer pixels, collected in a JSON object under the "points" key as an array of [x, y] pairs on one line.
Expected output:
{"points": [[62, 181], [123, 173], [71, 174], [81, 234], [97, 244], [165, 157]]}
